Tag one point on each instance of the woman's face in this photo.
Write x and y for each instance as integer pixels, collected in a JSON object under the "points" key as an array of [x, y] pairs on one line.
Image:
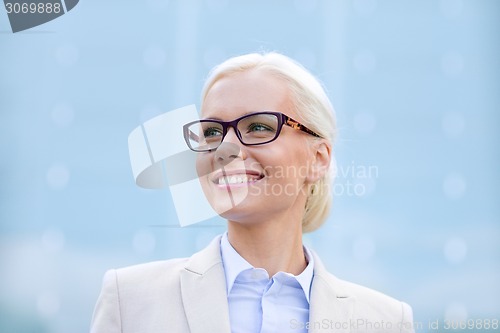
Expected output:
{"points": [[252, 184]]}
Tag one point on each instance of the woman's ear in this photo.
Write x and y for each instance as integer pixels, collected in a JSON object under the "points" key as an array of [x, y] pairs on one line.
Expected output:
{"points": [[322, 151]]}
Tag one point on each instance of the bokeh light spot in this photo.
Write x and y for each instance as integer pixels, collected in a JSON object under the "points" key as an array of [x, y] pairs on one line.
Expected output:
{"points": [[57, 176], [363, 248], [453, 125], [364, 123], [53, 240], [456, 312], [62, 115], [454, 186], [451, 8], [455, 250], [452, 64], [305, 6]]}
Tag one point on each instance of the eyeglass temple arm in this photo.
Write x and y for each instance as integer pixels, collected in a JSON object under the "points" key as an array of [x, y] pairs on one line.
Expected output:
{"points": [[296, 125]]}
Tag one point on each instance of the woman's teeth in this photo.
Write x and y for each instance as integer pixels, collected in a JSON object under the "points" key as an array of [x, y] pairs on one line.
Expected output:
{"points": [[237, 179]]}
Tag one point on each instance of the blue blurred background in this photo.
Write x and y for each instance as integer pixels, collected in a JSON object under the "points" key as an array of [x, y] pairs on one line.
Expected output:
{"points": [[416, 87]]}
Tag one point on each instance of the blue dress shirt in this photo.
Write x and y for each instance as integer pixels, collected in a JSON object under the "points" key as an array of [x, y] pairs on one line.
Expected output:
{"points": [[258, 304]]}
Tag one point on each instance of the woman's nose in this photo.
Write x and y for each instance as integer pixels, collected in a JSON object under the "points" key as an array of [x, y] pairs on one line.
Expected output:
{"points": [[226, 153]]}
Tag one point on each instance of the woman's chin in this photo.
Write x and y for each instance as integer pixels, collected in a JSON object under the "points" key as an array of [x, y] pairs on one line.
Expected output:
{"points": [[228, 201]]}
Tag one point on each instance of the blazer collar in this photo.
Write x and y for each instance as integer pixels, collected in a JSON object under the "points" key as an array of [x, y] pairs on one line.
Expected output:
{"points": [[204, 295], [331, 306], [203, 288]]}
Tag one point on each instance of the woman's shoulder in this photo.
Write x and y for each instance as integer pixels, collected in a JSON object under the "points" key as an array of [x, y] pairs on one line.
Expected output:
{"points": [[141, 297], [372, 310], [145, 276], [156, 269], [360, 291], [344, 289], [369, 302], [166, 272]]}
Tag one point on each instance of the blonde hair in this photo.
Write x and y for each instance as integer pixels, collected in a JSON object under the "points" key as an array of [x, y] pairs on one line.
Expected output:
{"points": [[311, 104]]}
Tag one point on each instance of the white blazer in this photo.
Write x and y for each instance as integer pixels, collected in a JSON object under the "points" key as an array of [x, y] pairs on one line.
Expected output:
{"points": [[189, 295]]}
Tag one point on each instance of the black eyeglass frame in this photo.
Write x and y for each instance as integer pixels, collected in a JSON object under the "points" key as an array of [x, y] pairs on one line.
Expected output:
{"points": [[282, 120]]}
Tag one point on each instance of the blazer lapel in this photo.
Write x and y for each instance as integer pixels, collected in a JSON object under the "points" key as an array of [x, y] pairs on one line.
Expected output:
{"points": [[330, 308], [203, 288]]}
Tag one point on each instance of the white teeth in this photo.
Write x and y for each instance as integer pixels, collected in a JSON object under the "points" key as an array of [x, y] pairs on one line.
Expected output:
{"points": [[238, 179]]}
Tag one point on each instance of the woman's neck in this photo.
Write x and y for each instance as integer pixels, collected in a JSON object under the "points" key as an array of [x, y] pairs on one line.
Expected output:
{"points": [[273, 245]]}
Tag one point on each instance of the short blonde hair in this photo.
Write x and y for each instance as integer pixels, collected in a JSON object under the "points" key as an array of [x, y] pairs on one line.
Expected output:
{"points": [[311, 104]]}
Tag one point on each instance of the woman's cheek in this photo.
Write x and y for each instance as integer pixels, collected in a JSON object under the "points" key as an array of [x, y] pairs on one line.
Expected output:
{"points": [[203, 167]]}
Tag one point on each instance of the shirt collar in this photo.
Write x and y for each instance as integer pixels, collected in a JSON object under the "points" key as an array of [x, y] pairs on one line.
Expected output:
{"points": [[305, 278], [234, 264]]}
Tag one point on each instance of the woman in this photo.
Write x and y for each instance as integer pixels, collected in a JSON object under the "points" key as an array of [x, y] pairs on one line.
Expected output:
{"points": [[263, 147]]}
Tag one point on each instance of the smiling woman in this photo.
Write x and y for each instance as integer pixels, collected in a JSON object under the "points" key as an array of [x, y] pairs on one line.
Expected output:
{"points": [[262, 114]]}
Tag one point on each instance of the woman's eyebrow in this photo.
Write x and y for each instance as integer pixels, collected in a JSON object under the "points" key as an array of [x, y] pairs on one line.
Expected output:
{"points": [[242, 115], [211, 118]]}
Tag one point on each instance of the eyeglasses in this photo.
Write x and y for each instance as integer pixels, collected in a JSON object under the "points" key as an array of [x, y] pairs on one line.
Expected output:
{"points": [[252, 129]]}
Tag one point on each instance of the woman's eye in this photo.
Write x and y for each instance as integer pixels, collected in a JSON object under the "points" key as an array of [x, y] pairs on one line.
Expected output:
{"points": [[211, 132], [259, 128]]}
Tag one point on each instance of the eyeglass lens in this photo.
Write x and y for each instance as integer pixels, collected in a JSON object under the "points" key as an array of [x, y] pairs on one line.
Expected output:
{"points": [[254, 129]]}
